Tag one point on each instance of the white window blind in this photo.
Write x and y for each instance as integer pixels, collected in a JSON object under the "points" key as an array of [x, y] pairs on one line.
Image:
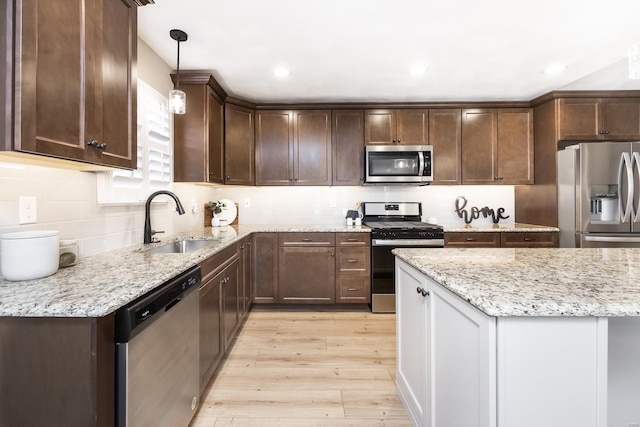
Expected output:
{"points": [[154, 151]]}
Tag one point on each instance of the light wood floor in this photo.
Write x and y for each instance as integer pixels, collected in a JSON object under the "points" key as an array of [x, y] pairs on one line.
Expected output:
{"points": [[309, 369]]}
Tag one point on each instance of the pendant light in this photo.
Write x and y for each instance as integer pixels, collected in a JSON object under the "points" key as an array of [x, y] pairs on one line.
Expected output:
{"points": [[177, 98]]}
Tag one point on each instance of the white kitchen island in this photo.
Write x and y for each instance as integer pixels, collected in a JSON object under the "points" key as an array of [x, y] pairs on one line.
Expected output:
{"points": [[519, 337]]}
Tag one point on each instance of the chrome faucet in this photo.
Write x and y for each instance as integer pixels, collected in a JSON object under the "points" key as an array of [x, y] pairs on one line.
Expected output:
{"points": [[148, 232]]}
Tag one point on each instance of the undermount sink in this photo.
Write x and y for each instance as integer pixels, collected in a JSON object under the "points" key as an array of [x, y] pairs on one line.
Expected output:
{"points": [[180, 246]]}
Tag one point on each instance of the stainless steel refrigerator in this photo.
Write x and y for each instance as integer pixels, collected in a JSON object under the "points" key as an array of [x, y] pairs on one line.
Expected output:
{"points": [[598, 195]]}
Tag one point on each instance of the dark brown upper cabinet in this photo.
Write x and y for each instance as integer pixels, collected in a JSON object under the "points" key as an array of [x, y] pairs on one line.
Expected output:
{"points": [[402, 126], [198, 135], [74, 82], [293, 147], [239, 151], [348, 147], [445, 135], [599, 119], [497, 146]]}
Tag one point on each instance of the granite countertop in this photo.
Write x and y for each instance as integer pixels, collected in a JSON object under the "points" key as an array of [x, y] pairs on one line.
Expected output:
{"points": [[100, 284], [537, 282], [503, 228]]}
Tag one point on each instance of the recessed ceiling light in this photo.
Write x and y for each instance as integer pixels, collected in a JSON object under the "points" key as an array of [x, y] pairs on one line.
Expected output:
{"points": [[554, 69], [281, 72], [416, 70]]}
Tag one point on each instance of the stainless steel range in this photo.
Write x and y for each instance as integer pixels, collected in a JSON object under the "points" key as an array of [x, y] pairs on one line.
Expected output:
{"points": [[394, 225]]}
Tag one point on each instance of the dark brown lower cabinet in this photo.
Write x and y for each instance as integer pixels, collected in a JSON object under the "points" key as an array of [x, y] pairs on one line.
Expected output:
{"points": [[306, 275], [265, 268], [496, 239], [57, 371], [244, 275], [211, 344], [230, 302]]}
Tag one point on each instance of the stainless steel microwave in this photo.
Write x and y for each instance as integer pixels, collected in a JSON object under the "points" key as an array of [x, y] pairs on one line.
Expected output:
{"points": [[398, 164]]}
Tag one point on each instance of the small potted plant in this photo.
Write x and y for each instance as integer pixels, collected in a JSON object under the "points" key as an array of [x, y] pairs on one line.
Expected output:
{"points": [[216, 208]]}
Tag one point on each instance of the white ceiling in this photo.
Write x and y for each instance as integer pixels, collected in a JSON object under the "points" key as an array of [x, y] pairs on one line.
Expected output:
{"points": [[362, 50]]}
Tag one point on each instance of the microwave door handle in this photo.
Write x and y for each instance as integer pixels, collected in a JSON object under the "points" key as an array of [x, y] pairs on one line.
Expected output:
{"points": [[420, 163], [625, 166]]}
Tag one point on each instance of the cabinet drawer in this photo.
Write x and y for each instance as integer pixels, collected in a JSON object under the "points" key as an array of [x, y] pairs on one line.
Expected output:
{"points": [[217, 262], [354, 289], [472, 239], [529, 240], [306, 239], [353, 239], [352, 261]]}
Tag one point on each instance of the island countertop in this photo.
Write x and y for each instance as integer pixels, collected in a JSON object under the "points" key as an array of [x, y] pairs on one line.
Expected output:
{"points": [[100, 284], [537, 282]]}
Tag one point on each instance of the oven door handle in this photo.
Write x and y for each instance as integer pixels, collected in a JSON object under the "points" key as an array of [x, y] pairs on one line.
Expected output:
{"points": [[421, 163], [425, 243]]}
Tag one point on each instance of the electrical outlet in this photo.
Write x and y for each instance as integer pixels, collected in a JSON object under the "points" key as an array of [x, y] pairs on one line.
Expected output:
{"points": [[247, 202], [27, 210], [194, 207]]}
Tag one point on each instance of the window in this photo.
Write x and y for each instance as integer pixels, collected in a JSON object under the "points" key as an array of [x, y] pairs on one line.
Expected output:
{"points": [[155, 154]]}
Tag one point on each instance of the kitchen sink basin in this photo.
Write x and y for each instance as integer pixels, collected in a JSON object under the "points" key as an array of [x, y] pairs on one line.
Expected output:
{"points": [[180, 246]]}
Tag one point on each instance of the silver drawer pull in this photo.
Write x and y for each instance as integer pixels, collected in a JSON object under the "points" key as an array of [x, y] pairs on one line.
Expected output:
{"points": [[307, 240], [529, 239], [471, 239], [351, 239], [352, 289], [352, 261]]}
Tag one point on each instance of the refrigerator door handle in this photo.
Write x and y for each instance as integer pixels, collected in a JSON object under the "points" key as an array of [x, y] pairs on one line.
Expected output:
{"points": [[635, 163], [625, 166], [612, 239]]}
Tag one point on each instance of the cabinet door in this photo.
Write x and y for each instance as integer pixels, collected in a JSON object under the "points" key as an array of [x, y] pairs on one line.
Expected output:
{"points": [[515, 146], [445, 133], [230, 302], [379, 127], [274, 147], [52, 83], [306, 275], [348, 147], [211, 345], [244, 276], [239, 145], [75, 81], [215, 139], [312, 147], [412, 127], [412, 344], [463, 365], [265, 268], [578, 119], [116, 115], [620, 119], [479, 145]]}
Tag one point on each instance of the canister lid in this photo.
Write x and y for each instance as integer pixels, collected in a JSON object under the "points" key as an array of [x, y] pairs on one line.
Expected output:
{"points": [[38, 234]]}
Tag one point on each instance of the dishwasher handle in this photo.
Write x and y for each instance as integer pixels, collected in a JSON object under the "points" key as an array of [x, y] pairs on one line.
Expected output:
{"points": [[134, 317]]}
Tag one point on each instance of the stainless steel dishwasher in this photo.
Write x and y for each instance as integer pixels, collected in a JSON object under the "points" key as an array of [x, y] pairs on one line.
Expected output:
{"points": [[157, 344]]}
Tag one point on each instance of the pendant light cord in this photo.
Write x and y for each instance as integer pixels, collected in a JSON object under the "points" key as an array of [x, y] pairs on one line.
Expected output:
{"points": [[178, 65]]}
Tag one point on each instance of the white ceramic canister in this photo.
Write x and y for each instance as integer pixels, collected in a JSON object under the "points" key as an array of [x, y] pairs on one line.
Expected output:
{"points": [[28, 255]]}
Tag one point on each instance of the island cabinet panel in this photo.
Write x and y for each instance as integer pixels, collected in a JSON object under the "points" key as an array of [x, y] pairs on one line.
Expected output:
{"points": [[445, 135], [74, 93], [57, 371], [552, 371], [348, 147], [472, 239], [402, 126], [598, 119], [446, 355], [199, 134], [239, 150], [265, 268], [306, 268], [293, 147]]}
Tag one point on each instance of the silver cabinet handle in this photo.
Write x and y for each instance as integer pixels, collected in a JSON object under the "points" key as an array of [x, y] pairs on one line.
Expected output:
{"points": [[352, 261]]}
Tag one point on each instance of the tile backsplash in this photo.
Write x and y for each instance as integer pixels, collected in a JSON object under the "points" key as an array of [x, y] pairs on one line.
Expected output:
{"points": [[67, 202]]}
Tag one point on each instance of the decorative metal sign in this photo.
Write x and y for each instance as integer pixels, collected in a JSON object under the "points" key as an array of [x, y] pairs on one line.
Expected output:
{"points": [[474, 212]]}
